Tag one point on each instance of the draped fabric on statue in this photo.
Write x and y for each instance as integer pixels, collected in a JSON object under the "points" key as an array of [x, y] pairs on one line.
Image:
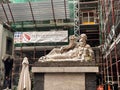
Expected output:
{"points": [[24, 80]]}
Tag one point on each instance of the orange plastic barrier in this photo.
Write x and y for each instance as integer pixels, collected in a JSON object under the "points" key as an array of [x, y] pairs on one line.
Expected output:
{"points": [[100, 87], [109, 87]]}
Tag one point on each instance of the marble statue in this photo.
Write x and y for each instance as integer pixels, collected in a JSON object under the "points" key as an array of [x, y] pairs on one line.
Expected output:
{"points": [[85, 51], [74, 51]]}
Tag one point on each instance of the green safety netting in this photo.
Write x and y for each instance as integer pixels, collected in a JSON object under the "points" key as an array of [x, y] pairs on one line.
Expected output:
{"points": [[71, 4], [23, 1], [71, 8]]}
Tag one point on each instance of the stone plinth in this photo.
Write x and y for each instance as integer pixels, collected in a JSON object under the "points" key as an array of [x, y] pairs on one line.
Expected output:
{"points": [[65, 75]]}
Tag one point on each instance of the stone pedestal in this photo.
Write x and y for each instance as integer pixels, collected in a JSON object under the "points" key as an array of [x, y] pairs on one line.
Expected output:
{"points": [[68, 75]]}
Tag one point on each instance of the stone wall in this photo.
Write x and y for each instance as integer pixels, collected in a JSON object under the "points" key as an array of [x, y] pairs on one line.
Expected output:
{"points": [[90, 81], [64, 81]]}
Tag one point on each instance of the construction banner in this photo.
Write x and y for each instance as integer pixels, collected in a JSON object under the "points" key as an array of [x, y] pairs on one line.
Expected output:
{"points": [[41, 37]]}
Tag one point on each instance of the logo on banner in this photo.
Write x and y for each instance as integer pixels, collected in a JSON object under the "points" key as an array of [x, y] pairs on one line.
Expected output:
{"points": [[26, 37]]}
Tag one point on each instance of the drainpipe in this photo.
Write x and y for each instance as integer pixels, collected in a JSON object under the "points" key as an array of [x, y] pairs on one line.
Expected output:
{"points": [[1, 66]]}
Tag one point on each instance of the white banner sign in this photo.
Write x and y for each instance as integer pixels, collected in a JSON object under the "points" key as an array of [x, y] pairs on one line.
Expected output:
{"points": [[41, 37]]}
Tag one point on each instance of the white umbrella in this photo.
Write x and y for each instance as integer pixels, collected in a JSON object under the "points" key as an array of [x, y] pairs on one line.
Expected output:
{"points": [[24, 80]]}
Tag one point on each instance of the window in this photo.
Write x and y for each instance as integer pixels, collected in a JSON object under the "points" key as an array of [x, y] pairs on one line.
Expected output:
{"points": [[88, 18], [9, 45], [85, 17]]}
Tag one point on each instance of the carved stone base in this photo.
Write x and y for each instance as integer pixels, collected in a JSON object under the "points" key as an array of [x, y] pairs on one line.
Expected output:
{"points": [[65, 75]]}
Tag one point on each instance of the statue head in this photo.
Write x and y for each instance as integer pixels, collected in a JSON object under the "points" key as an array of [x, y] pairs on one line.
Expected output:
{"points": [[83, 38], [72, 37]]}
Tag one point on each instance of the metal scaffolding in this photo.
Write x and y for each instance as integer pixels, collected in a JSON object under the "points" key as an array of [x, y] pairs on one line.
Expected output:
{"points": [[76, 18], [110, 30], [86, 20], [45, 10]]}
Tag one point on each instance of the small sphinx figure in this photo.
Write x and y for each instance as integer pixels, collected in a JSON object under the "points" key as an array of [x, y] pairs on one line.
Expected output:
{"points": [[74, 51]]}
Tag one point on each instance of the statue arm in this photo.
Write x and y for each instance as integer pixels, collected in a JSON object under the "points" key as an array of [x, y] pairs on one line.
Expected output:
{"points": [[91, 52], [68, 47]]}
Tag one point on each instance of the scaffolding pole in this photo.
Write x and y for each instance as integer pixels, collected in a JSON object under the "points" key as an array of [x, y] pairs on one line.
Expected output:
{"points": [[76, 18]]}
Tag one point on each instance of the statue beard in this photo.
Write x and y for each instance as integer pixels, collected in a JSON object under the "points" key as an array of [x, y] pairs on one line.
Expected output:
{"points": [[82, 44]]}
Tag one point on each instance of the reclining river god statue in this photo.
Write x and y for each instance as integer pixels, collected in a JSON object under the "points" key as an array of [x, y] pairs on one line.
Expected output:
{"points": [[73, 51]]}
